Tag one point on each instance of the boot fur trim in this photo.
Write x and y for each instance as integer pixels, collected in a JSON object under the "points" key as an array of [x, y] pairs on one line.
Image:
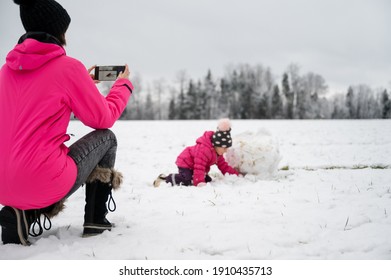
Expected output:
{"points": [[117, 179], [54, 209], [106, 175], [100, 174]]}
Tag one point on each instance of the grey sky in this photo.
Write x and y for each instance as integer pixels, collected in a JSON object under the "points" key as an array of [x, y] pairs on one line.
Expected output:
{"points": [[345, 41]]}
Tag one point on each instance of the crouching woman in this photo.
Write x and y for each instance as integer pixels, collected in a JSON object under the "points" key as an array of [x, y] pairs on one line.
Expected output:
{"points": [[40, 86]]}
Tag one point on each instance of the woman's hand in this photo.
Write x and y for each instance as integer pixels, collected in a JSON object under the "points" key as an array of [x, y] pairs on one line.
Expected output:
{"points": [[92, 75], [125, 74]]}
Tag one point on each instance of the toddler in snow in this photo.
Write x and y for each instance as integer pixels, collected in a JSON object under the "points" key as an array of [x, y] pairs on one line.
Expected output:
{"points": [[195, 161]]}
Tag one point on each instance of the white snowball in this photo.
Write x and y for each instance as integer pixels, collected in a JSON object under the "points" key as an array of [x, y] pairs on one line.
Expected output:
{"points": [[255, 153]]}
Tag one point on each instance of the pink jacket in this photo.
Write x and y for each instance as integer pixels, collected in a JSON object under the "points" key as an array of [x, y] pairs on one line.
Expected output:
{"points": [[39, 88], [201, 157]]}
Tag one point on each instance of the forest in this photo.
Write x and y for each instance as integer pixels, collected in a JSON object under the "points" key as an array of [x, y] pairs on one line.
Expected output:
{"points": [[253, 92]]}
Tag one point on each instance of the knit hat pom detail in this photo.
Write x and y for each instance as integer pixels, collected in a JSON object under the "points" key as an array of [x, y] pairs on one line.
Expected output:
{"points": [[224, 125]]}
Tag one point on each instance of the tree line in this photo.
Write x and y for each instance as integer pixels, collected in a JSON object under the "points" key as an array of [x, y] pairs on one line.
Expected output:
{"points": [[253, 92]]}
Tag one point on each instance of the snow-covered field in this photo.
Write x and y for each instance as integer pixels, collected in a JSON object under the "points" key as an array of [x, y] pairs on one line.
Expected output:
{"points": [[330, 198]]}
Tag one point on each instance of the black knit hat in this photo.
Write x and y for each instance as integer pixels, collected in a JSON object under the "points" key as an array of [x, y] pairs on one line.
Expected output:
{"points": [[222, 136], [43, 16]]}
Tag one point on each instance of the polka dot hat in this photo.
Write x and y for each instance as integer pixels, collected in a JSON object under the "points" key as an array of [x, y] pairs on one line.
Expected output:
{"points": [[222, 136]]}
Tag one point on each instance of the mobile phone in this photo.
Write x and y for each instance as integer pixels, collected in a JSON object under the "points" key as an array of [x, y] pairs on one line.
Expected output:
{"points": [[108, 73]]}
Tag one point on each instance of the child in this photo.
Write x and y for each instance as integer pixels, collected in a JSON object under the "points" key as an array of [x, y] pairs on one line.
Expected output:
{"points": [[195, 161]]}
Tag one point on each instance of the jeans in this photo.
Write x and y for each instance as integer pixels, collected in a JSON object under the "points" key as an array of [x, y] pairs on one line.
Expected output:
{"points": [[98, 147]]}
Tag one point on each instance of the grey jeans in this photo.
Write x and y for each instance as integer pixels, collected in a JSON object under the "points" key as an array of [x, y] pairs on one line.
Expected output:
{"points": [[98, 147]]}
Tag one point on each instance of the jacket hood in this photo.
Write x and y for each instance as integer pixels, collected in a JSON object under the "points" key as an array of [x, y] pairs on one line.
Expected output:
{"points": [[206, 139], [32, 54]]}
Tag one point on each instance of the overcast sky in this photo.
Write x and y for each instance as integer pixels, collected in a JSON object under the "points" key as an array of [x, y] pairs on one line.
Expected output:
{"points": [[346, 41]]}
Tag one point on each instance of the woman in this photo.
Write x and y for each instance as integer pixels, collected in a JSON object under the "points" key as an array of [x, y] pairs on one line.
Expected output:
{"points": [[40, 86]]}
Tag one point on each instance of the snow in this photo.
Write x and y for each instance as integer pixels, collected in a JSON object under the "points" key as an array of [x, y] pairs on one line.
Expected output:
{"points": [[255, 153], [327, 196]]}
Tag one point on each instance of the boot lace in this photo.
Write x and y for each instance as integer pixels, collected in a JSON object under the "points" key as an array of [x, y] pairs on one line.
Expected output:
{"points": [[111, 205], [37, 226]]}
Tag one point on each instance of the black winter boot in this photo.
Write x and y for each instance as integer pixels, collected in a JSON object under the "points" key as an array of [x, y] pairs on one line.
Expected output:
{"points": [[14, 226], [15, 223], [98, 191]]}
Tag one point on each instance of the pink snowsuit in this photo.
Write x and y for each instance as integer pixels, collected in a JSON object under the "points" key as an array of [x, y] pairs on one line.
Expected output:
{"points": [[39, 88], [201, 157]]}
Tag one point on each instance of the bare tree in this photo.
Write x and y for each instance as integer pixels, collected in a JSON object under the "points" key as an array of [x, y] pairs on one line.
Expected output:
{"points": [[159, 87]]}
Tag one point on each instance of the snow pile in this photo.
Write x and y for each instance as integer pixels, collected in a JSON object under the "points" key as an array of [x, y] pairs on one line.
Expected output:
{"points": [[255, 153]]}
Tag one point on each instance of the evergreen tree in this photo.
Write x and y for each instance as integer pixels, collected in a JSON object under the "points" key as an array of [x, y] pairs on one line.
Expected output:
{"points": [[386, 105], [301, 104], [234, 103], [181, 79], [172, 109], [269, 83], [181, 110], [289, 95], [208, 97], [245, 98], [277, 106], [191, 103], [350, 103], [223, 99], [202, 105], [263, 107], [247, 93]]}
